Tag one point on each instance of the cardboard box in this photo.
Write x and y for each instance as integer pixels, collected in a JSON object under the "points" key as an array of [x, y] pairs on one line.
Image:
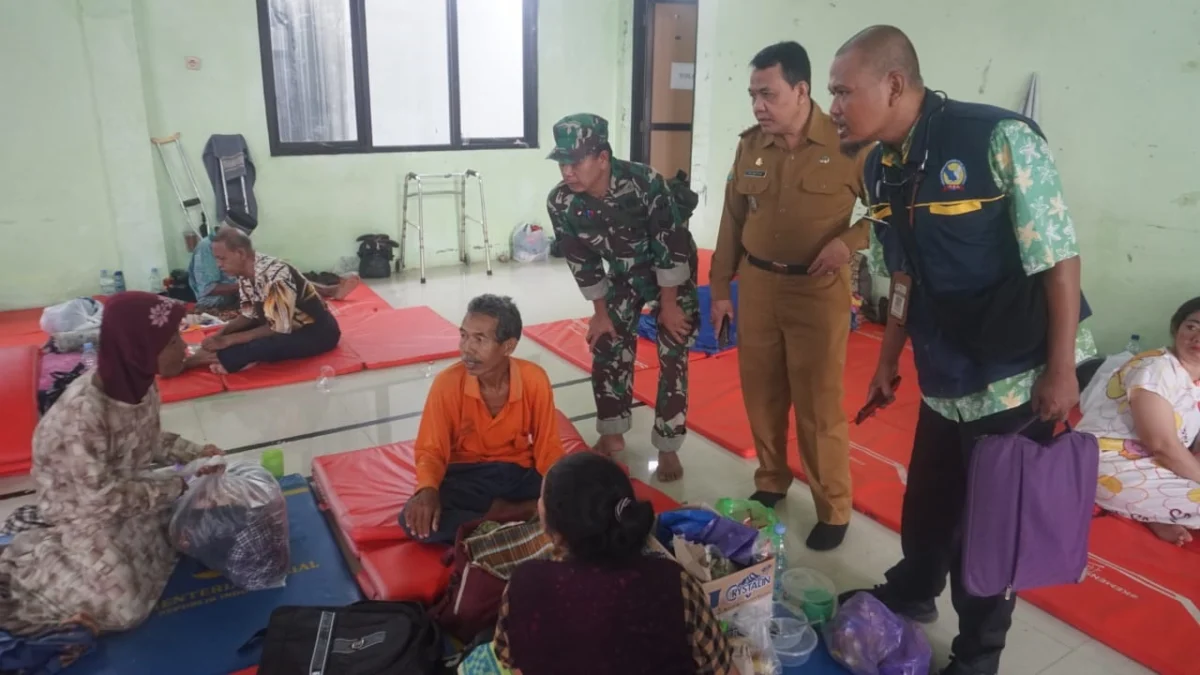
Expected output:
{"points": [[733, 590], [737, 589]]}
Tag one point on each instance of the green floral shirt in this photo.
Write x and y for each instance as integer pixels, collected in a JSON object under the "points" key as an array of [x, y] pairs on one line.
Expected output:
{"points": [[1023, 166]]}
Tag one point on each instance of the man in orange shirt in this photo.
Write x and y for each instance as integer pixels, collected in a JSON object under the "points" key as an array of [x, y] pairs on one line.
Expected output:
{"points": [[488, 432]]}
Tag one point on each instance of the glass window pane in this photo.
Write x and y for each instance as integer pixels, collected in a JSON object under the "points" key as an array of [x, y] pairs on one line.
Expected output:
{"points": [[491, 68], [314, 70], [409, 72]]}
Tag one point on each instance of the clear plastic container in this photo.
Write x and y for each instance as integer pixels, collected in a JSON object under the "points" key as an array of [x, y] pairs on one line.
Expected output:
{"points": [[794, 641], [107, 285], [325, 379], [809, 592]]}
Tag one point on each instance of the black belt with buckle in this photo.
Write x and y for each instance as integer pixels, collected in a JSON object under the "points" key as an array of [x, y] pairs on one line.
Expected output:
{"points": [[777, 267]]}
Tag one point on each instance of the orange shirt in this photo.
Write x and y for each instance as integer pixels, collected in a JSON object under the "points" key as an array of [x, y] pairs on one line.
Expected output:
{"points": [[456, 426]]}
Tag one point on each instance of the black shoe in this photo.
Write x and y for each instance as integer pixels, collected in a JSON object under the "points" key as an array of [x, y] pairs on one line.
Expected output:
{"points": [[924, 611], [826, 537], [767, 499], [959, 668]]}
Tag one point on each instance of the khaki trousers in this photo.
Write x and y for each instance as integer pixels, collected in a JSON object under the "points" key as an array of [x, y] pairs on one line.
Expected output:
{"points": [[792, 333]]}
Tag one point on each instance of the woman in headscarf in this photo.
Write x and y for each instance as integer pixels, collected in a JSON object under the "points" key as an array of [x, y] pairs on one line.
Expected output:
{"points": [[96, 551]]}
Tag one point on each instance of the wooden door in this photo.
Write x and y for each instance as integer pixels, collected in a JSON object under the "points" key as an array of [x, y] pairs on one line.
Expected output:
{"points": [[667, 66]]}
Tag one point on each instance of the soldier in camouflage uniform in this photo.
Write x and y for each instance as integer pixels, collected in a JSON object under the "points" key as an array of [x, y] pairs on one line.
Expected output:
{"points": [[621, 213]]}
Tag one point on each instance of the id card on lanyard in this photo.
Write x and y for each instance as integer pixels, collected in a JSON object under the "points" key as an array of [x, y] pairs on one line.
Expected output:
{"points": [[900, 294], [898, 299]]}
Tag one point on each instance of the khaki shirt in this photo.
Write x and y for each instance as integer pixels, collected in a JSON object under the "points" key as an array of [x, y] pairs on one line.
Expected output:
{"points": [[784, 205]]}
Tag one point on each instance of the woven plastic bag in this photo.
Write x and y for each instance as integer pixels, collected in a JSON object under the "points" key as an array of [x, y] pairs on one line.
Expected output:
{"points": [[235, 522]]}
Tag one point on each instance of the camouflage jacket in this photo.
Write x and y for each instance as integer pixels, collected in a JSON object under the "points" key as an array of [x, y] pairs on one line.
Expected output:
{"points": [[651, 249]]}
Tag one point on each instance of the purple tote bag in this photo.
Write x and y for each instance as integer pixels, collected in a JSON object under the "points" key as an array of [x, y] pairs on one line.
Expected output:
{"points": [[1028, 512]]}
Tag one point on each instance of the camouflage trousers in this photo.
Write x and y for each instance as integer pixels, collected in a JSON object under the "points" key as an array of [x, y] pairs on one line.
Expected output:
{"points": [[614, 361]]}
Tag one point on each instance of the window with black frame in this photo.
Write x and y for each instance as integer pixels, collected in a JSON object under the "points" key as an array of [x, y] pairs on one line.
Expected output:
{"points": [[355, 76]]}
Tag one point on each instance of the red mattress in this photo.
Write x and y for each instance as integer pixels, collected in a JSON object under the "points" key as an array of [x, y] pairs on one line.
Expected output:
{"points": [[342, 359], [403, 571], [364, 490], [703, 266], [398, 337], [18, 399], [22, 327], [191, 384], [409, 570], [880, 447], [568, 339], [362, 303], [1141, 596]]}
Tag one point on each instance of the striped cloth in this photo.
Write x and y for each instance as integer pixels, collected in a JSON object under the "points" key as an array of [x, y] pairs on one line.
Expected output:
{"points": [[500, 548]]}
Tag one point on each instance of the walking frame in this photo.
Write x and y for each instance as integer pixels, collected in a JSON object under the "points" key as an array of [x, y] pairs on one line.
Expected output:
{"points": [[459, 189]]}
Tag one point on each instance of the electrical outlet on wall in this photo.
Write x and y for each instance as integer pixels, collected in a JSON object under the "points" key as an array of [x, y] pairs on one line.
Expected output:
{"points": [[192, 62]]}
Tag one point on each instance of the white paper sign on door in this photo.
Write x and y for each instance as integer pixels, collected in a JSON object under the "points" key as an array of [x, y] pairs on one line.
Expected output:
{"points": [[683, 75]]}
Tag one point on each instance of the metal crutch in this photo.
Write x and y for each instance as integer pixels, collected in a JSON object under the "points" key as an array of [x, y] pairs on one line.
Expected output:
{"points": [[190, 205]]}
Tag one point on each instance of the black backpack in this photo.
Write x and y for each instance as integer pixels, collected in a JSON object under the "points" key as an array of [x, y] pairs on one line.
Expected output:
{"points": [[375, 255], [365, 638], [686, 200]]}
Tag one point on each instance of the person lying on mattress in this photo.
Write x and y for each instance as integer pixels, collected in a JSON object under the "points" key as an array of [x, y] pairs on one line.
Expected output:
{"points": [[93, 550], [1148, 424], [605, 608], [283, 316], [217, 291], [488, 432]]}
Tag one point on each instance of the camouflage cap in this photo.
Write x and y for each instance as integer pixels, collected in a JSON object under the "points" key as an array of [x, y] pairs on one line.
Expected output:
{"points": [[575, 136]]}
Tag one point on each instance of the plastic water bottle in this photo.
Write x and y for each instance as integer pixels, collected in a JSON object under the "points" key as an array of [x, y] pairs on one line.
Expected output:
{"points": [[781, 561], [325, 379], [118, 282], [89, 356], [107, 286], [156, 281], [1135, 344]]}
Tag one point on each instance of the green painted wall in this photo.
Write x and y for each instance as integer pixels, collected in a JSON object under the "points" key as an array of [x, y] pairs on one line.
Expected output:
{"points": [[57, 208], [1119, 86], [1120, 90], [55, 219], [312, 208]]}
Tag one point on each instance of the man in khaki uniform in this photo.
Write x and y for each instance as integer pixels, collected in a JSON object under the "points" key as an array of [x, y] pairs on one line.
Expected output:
{"points": [[786, 234]]}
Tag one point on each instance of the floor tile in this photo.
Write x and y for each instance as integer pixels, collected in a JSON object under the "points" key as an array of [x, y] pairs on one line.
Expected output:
{"points": [[377, 407]]}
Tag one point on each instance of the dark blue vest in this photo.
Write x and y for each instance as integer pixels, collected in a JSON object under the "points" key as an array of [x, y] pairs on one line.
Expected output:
{"points": [[964, 236]]}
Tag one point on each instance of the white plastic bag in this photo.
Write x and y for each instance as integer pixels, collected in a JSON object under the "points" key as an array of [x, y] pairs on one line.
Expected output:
{"points": [[530, 243], [750, 635], [72, 315], [235, 522]]}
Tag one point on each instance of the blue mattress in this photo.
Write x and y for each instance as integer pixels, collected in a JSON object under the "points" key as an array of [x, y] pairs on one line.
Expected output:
{"points": [[706, 338], [202, 619]]}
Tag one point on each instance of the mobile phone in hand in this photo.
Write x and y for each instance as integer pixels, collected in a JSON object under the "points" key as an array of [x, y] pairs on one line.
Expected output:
{"points": [[878, 401], [723, 333]]}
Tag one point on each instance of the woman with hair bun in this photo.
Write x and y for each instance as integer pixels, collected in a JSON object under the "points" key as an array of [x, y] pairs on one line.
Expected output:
{"points": [[605, 608]]}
